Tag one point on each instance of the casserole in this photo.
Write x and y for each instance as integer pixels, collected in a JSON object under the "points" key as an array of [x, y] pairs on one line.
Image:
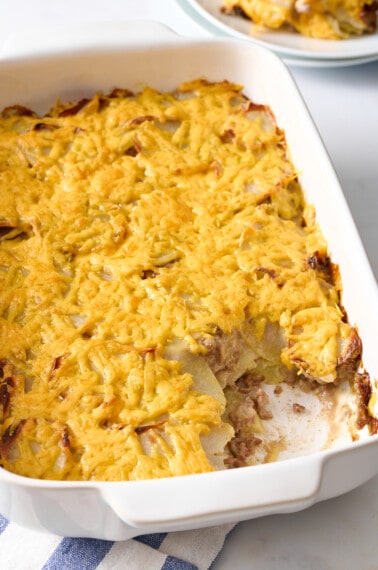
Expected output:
{"points": [[123, 510], [184, 279]]}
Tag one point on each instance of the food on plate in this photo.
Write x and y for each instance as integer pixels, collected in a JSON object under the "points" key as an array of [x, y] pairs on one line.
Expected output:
{"points": [[167, 297], [330, 19]]}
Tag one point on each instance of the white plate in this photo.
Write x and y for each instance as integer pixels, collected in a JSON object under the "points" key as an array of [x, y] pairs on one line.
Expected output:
{"points": [[284, 43], [322, 63]]}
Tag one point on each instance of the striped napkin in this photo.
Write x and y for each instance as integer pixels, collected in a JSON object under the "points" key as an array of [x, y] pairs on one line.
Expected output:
{"points": [[24, 549]]}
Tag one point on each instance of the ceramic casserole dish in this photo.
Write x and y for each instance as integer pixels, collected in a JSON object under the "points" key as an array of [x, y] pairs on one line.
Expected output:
{"points": [[121, 510]]}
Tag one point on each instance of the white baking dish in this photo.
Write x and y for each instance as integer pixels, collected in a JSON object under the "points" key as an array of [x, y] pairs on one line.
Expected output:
{"points": [[117, 511]]}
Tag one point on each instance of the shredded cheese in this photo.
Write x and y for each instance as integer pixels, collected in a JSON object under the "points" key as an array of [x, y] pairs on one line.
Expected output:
{"points": [[128, 222]]}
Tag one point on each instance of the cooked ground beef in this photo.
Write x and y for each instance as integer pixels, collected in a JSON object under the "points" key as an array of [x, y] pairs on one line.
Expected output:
{"points": [[243, 415], [223, 353]]}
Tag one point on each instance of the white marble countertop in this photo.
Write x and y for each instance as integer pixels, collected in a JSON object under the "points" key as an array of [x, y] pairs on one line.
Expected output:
{"points": [[340, 533]]}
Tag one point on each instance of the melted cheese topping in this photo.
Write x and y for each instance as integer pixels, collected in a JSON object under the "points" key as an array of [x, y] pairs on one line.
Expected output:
{"points": [[325, 19], [129, 222]]}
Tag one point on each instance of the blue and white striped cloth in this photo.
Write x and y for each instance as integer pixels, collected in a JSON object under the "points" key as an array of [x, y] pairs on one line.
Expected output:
{"points": [[24, 549]]}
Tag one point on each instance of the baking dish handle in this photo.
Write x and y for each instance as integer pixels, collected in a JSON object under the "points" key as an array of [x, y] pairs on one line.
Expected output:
{"points": [[216, 497], [85, 37]]}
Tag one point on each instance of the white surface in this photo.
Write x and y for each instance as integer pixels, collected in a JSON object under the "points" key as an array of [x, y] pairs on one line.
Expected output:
{"points": [[281, 41], [340, 533]]}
